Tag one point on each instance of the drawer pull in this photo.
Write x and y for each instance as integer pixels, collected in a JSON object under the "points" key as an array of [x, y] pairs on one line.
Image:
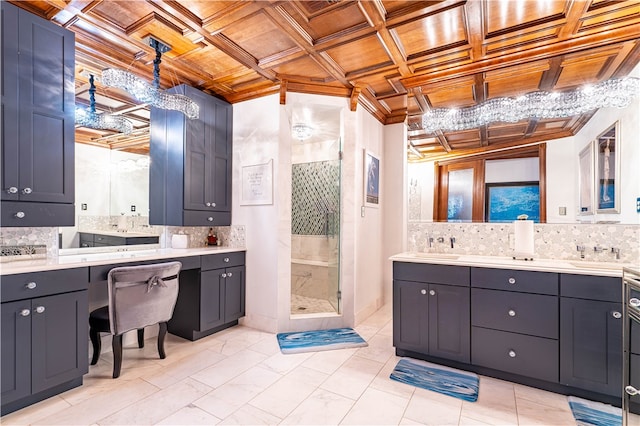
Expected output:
{"points": [[423, 291], [512, 280], [27, 191], [224, 275], [12, 190], [20, 215], [226, 260], [635, 302], [432, 292], [512, 353], [616, 314], [210, 219], [25, 312], [512, 313], [230, 274], [40, 309], [631, 390], [31, 285]]}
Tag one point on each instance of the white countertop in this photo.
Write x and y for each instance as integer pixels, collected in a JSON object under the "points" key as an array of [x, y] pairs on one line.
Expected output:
{"points": [[584, 267], [125, 234], [96, 259]]}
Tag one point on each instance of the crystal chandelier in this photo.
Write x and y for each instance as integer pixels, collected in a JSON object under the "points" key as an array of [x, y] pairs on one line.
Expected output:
{"points": [[301, 131], [89, 118], [610, 93], [151, 94]]}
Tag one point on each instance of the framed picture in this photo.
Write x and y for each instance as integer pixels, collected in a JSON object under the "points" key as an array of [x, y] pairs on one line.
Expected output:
{"points": [[371, 179], [505, 201], [607, 169], [257, 184], [585, 180]]}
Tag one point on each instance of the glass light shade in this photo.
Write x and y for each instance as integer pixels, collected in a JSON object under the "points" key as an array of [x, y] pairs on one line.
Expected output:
{"points": [[301, 131], [88, 118], [610, 93]]}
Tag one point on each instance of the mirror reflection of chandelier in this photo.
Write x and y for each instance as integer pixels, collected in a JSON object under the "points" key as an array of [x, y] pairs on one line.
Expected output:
{"points": [[301, 131], [89, 118], [148, 93], [610, 93]]}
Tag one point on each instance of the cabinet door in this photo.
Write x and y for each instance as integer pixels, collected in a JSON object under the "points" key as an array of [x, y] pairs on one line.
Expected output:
{"points": [[47, 111], [221, 156], [411, 316], [60, 334], [197, 167], [234, 294], [449, 322], [16, 350], [10, 101], [591, 345], [211, 299]]}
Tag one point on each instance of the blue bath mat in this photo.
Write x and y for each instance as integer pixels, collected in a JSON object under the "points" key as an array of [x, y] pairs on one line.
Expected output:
{"points": [[319, 340], [437, 378], [589, 413]]}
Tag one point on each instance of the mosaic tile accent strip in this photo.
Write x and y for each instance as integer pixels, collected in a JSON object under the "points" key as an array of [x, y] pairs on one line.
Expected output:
{"points": [[315, 198], [31, 251], [31, 237], [228, 236]]}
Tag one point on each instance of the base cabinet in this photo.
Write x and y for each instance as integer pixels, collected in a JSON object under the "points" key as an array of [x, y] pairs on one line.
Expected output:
{"points": [[431, 318], [44, 339], [210, 299]]}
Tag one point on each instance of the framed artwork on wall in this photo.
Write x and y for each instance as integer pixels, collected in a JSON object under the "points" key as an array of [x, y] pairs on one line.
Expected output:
{"points": [[585, 180], [505, 201], [607, 171], [257, 184], [371, 179]]}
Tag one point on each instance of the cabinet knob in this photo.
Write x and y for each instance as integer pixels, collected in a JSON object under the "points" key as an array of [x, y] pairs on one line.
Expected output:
{"points": [[512, 353], [210, 219], [631, 390], [40, 309], [423, 291], [213, 204], [229, 274], [31, 285], [635, 302], [224, 275], [432, 292], [25, 312], [512, 313], [226, 260], [512, 280], [616, 314], [12, 190], [207, 204], [20, 215], [27, 191]]}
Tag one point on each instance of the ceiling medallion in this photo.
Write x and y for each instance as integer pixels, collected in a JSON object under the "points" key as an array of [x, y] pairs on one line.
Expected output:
{"points": [[301, 131], [151, 94], [89, 118], [541, 105]]}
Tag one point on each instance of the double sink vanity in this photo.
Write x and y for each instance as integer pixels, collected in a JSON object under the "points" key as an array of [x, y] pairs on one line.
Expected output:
{"points": [[552, 324], [46, 303]]}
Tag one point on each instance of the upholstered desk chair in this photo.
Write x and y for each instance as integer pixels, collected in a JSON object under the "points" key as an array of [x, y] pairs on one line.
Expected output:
{"points": [[139, 296]]}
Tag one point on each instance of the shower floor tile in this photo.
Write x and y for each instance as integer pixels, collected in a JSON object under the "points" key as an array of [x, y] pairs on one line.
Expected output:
{"points": [[309, 305]]}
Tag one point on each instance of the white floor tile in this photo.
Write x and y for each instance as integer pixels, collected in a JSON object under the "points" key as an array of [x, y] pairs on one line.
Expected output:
{"points": [[320, 408], [375, 407]]}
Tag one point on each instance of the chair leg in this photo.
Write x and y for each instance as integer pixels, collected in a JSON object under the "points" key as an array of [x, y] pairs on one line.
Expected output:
{"points": [[161, 334], [97, 345], [117, 355], [141, 337]]}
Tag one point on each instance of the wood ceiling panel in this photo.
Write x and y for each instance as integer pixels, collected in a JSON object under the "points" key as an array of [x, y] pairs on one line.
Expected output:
{"points": [[511, 130], [395, 103], [359, 55], [522, 39], [504, 16], [470, 136], [527, 78], [432, 33], [259, 36], [617, 14], [303, 66], [442, 61], [453, 93], [122, 14], [324, 21], [383, 85], [584, 68]]}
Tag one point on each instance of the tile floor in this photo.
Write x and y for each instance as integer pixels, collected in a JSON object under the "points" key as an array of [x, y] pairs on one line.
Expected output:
{"points": [[309, 305], [239, 377]]}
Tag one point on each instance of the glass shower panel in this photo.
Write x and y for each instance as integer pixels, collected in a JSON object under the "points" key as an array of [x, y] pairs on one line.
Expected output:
{"points": [[460, 197]]}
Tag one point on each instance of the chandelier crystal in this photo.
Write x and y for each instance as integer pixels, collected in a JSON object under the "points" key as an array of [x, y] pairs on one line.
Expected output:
{"points": [[151, 93], [301, 131], [541, 105], [89, 118]]}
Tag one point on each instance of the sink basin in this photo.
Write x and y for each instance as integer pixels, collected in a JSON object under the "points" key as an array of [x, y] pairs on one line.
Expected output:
{"points": [[598, 265]]}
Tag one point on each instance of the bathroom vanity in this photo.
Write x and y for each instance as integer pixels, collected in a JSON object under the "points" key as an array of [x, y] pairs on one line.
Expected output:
{"points": [[549, 324], [45, 309]]}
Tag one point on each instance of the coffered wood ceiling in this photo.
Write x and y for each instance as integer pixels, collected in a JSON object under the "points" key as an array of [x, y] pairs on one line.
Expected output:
{"points": [[396, 59]]}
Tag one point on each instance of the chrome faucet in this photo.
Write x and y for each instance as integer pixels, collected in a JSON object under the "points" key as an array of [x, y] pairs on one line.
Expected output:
{"points": [[616, 251], [430, 242], [581, 250], [598, 249], [453, 240]]}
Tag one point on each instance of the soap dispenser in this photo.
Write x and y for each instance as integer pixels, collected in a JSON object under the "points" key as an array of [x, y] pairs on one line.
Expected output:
{"points": [[211, 238]]}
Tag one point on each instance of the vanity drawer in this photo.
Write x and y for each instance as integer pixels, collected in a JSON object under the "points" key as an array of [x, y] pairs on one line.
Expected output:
{"points": [[514, 280], [15, 287], [223, 260], [99, 273], [533, 314], [428, 273], [606, 289], [204, 218], [515, 353]]}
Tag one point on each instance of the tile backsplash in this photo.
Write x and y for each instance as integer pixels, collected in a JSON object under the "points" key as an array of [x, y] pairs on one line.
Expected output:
{"points": [[551, 241]]}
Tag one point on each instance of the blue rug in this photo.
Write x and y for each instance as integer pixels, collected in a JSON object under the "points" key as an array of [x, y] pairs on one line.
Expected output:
{"points": [[589, 413], [437, 378], [319, 340]]}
